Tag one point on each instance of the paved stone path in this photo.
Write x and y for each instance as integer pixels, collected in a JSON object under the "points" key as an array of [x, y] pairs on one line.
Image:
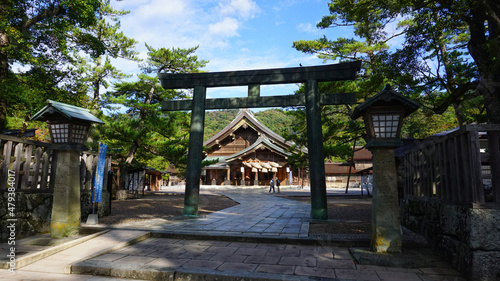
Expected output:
{"points": [[193, 259], [58, 266], [259, 214]]}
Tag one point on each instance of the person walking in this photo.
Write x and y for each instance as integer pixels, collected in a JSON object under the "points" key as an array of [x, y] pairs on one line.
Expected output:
{"points": [[271, 186], [278, 184]]}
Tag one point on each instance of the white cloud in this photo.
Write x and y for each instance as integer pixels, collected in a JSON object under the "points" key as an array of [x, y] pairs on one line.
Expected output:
{"points": [[242, 8], [307, 27], [157, 9], [283, 4], [228, 27], [231, 34]]}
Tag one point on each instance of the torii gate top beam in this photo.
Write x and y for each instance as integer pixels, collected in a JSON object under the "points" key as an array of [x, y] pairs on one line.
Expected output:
{"points": [[331, 72], [255, 78]]}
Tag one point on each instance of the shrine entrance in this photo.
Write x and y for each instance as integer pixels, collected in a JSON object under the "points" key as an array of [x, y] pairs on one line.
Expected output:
{"points": [[312, 100]]}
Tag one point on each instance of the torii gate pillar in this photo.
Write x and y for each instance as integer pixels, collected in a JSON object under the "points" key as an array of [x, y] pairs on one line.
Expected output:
{"points": [[253, 79], [195, 152], [315, 152]]}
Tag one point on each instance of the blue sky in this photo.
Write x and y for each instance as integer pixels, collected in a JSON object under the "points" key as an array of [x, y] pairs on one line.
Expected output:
{"points": [[231, 34]]}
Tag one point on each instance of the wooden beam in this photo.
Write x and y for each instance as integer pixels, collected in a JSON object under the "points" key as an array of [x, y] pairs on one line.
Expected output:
{"points": [[331, 72], [256, 102]]}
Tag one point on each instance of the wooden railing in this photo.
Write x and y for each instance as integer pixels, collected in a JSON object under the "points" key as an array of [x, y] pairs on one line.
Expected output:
{"points": [[462, 166], [31, 164]]}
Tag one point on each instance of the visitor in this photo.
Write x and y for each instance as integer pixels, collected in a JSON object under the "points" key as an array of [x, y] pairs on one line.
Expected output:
{"points": [[271, 186]]}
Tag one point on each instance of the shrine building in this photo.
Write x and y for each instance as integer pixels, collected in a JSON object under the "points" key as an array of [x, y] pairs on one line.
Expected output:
{"points": [[246, 152]]}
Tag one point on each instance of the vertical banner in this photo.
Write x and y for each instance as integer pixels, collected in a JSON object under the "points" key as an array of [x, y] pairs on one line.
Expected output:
{"points": [[99, 175]]}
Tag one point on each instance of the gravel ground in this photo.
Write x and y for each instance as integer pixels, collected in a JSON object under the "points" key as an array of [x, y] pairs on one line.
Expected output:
{"points": [[346, 215], [161, 206]]}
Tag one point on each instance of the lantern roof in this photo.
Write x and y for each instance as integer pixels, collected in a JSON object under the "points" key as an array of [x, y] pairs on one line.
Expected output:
{"points": [[387, 97], [53, 110]]}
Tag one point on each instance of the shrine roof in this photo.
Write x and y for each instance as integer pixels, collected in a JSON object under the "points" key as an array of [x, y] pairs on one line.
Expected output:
{"points": [[261, 142], [253, 122]]}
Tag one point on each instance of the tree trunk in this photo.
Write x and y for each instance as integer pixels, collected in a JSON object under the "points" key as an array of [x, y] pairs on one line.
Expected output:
{"points": [[4, 72], [484, 48], [491, 93]]}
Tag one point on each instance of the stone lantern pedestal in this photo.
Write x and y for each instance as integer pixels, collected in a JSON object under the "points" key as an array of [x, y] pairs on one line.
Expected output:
{"points": [[386, 225], [66, 212]]}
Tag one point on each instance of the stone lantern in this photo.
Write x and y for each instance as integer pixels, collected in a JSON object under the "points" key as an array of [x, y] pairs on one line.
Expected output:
{"points": [[383, 115], [69, 126]]}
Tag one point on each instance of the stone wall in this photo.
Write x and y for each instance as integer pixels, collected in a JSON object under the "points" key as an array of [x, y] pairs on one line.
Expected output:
{"points": [[469, 237], [33, 212]]}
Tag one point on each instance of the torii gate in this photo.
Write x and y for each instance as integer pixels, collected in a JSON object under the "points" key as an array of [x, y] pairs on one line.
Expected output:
{"points": [[253, 79]]}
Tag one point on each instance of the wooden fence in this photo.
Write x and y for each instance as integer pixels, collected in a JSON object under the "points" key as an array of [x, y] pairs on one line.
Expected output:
{"points": [[31, 164], [462, 166]]}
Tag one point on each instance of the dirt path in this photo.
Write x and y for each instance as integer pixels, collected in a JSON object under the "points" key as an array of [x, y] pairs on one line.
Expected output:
{"points": [[161, 206]]}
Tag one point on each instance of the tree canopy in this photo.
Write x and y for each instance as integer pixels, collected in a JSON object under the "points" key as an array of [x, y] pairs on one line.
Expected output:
{"points": [[443, 54], [144, 132], [449, 55], [38, 37]]}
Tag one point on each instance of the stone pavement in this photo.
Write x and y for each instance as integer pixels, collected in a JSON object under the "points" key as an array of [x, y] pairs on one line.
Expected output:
{"points": [[263, 238], [57, 266], [259, 213]]}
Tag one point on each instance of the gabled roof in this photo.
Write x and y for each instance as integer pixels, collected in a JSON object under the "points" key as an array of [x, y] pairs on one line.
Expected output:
{"points": [[259, 143], [253, 122], [71, 112]]}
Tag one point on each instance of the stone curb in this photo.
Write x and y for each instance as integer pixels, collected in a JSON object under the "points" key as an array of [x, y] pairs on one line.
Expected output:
{"points": [[221, 236], [262, 239], [115, 247], [34, 257], [149, 272]]}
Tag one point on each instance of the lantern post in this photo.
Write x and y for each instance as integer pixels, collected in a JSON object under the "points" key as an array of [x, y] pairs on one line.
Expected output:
{"points": [[69, 126], [383, 115]]}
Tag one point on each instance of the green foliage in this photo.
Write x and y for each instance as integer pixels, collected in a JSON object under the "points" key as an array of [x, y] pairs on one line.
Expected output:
{"points": [[432, 66], [446, 58], [96, 69], [144, 135], [217, 120], [275, 119], [41, 36]]}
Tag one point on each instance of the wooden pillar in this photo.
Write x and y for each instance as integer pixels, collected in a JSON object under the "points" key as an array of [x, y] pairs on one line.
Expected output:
{"points": [[228, 177], [494, 149], [195, 152], [316, 154]]}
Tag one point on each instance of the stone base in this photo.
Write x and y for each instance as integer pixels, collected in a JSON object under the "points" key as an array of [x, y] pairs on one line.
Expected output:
{"points": [[64, 229], [121, 195], [92, 219]]}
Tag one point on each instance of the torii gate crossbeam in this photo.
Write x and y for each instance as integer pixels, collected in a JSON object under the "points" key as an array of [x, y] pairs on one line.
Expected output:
{"points": [[253, 79]]}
